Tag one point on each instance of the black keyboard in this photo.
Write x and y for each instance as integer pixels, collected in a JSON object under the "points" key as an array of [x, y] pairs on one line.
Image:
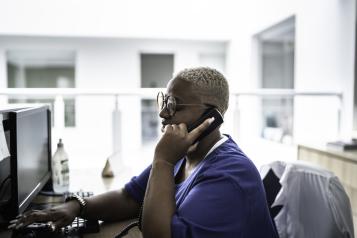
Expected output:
{"points": [[43, 230], [78, 227]]}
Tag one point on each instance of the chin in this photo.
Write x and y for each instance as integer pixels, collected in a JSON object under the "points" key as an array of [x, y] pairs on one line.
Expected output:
{"points": [[192, 150]]}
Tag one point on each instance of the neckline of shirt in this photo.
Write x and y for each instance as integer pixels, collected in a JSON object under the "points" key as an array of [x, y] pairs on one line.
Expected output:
{"points": [[215, 146]]}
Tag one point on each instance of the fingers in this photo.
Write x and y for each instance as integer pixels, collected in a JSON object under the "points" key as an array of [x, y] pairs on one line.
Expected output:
{"points": [[182, 129], [173, 128], [14, 224], [37, 216], [29, 218], [63, 221], [182, 126], [168, 128], [195, 133]]}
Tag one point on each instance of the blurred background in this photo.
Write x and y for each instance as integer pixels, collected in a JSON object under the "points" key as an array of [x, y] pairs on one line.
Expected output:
{"points": [[99, 65]]}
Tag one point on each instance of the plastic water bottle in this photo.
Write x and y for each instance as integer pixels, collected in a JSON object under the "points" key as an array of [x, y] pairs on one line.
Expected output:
{"points": [[60, 169]]}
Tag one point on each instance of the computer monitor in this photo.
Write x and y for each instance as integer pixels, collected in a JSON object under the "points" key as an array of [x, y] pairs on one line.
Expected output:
{"points": [[28, 169]]}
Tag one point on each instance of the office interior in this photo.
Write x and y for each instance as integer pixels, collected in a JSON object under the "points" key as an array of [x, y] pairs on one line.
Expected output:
{"points": [[291, 68]]}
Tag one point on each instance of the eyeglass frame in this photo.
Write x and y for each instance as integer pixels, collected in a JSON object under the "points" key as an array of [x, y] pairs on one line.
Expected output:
{"points": [[166, 98]]}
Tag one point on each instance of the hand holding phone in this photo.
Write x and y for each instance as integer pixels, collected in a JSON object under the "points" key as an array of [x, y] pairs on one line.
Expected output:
{"points": [[218, 120]]}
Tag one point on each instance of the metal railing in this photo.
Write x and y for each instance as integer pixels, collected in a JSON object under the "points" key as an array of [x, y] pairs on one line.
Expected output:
{"points": [[288, 93], [60, 94]]}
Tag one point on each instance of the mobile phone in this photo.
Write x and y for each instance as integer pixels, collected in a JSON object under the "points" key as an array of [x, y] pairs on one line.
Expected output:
{"points": [[218, 120]]}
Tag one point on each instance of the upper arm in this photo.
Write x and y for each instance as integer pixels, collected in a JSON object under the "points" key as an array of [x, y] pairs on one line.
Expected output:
{"points": [[214, 207]]}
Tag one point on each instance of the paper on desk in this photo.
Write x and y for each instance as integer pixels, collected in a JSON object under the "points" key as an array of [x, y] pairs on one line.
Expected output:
{"points": [[4, 151]]}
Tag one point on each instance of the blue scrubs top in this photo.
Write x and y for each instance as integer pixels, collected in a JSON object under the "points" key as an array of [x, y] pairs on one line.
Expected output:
{"points": [[222, 198]]}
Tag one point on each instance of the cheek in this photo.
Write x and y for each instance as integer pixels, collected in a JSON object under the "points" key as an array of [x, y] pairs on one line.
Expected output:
{"points": [[188, 117]]}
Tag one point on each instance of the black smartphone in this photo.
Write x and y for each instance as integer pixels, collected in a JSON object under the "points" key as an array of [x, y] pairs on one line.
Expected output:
{"points": [[218, 120]]}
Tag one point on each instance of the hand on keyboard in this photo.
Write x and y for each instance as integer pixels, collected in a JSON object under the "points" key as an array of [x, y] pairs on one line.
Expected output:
{"points": [[43, 230], [60, 216], [59, 221]]}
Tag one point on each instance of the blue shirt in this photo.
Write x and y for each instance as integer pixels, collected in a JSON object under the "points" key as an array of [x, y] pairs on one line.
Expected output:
{"points": [[222, 198]]}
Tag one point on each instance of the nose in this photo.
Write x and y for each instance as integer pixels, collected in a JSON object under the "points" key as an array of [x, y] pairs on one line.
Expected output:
{"points": [[164, 113]]}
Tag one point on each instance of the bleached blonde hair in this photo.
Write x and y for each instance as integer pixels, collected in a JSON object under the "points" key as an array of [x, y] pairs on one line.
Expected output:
{"points": [[210, 84]]}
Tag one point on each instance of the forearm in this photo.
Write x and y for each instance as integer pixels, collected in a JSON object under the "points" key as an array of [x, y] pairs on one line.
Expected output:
{"points": [[159, 201], [111, 206]]}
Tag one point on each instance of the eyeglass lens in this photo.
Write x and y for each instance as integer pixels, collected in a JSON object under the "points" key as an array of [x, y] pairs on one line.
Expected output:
{"points": [[168, 102], [160, 100]]}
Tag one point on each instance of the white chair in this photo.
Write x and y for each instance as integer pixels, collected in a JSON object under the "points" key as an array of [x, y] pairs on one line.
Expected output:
{"points": [[314, 203]]}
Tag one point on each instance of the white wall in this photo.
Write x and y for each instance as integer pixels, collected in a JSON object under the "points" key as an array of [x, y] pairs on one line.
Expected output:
{"points": [[325, 34], [324, 60], [174, 19], [107, 63]]}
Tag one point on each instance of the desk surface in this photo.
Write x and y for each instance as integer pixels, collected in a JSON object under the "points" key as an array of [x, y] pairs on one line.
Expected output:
{"points": [[92, 180], [350, 155], [112, 229]]}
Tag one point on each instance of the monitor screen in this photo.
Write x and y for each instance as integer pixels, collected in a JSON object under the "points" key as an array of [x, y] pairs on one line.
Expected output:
{"points": [[33, 168], [28, 137]]}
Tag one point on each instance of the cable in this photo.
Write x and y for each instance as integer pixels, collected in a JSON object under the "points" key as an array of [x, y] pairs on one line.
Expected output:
{"points": [[133, 224], [126, 229]]}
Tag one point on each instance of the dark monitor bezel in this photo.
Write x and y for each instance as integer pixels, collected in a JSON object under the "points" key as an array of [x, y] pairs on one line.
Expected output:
{"points": [[16, 207]]}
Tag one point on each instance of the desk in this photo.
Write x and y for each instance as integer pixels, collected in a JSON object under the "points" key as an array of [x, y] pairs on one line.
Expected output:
{"points": [[111, 229], [91, 180]]}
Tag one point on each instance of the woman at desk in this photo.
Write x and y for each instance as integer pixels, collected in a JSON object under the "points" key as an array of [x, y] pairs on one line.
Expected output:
{"points": [[195, 187]]}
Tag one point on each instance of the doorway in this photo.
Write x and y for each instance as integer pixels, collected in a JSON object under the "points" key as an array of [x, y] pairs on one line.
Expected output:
{"points": [[156, 71]]}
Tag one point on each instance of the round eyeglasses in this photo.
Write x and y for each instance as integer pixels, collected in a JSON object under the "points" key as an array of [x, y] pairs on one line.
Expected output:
{"points": [[169, 103]]}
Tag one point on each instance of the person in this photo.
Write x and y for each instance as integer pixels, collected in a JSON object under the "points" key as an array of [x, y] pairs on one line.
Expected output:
{"points": [[205, 189]]}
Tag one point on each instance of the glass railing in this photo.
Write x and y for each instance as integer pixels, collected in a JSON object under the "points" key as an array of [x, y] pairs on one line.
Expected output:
{"points": [[269, 123], [96, 124]]}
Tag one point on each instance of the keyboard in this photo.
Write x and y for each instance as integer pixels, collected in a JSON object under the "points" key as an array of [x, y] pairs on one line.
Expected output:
{"points": [[78, 227]]}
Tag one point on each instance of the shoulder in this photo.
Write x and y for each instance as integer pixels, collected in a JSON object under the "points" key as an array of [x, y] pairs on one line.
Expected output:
{"points": [[228, 161]]}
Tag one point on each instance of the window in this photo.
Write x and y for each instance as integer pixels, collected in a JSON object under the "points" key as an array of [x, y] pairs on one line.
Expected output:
{"points": [[43, 69], [156, 71], [276, 69]]}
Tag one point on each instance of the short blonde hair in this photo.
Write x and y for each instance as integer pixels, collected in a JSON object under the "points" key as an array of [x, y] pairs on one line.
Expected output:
{"points": [[210, 84]]}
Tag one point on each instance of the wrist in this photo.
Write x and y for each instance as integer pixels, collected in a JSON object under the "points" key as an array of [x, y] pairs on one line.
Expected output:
{"points": [[162, 163], [79, 204], [74, 207]]}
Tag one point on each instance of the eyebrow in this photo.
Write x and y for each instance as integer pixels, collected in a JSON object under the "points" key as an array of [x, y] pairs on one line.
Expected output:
{"points": [[177, 99]]}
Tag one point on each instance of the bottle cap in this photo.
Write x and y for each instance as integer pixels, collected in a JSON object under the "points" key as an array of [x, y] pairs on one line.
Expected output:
{"points": [[60, 144]]}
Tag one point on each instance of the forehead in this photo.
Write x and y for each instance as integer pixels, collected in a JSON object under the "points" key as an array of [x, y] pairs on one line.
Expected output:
{"points": [[182, 90]]}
